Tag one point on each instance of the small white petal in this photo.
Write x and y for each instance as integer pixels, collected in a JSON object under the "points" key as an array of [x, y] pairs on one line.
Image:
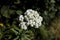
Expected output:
{"points": [[22, 27], [25, 27], [19, 24], [36, 26], [32, 25], [40, 24], [26, 18], [41, 19], [28, 23], [21, 17]]}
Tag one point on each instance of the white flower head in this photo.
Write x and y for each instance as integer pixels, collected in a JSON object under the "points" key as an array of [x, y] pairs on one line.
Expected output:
{"points": [[32, 18]]}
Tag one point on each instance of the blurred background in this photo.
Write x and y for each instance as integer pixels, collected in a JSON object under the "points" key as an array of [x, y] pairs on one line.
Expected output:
{"points": [[9, 23]]}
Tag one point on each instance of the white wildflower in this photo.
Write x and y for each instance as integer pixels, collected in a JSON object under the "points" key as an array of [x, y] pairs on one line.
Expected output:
{"points": [[41, 19], [32, 25], [28, 23], [30, 10], [23, 25], [36, 25], [40, 24], [21, 18], [32, 18], [26, 18]]}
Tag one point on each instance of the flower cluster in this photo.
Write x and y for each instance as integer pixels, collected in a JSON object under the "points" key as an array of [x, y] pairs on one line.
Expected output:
{"points": [[31, 18]]}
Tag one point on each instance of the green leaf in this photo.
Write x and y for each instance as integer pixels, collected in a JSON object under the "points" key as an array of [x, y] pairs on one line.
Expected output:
{"points": [[16, 38], [14, 31], [11, 11], [4, 11], [19, 12], [1, 35], [27, 35]]}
